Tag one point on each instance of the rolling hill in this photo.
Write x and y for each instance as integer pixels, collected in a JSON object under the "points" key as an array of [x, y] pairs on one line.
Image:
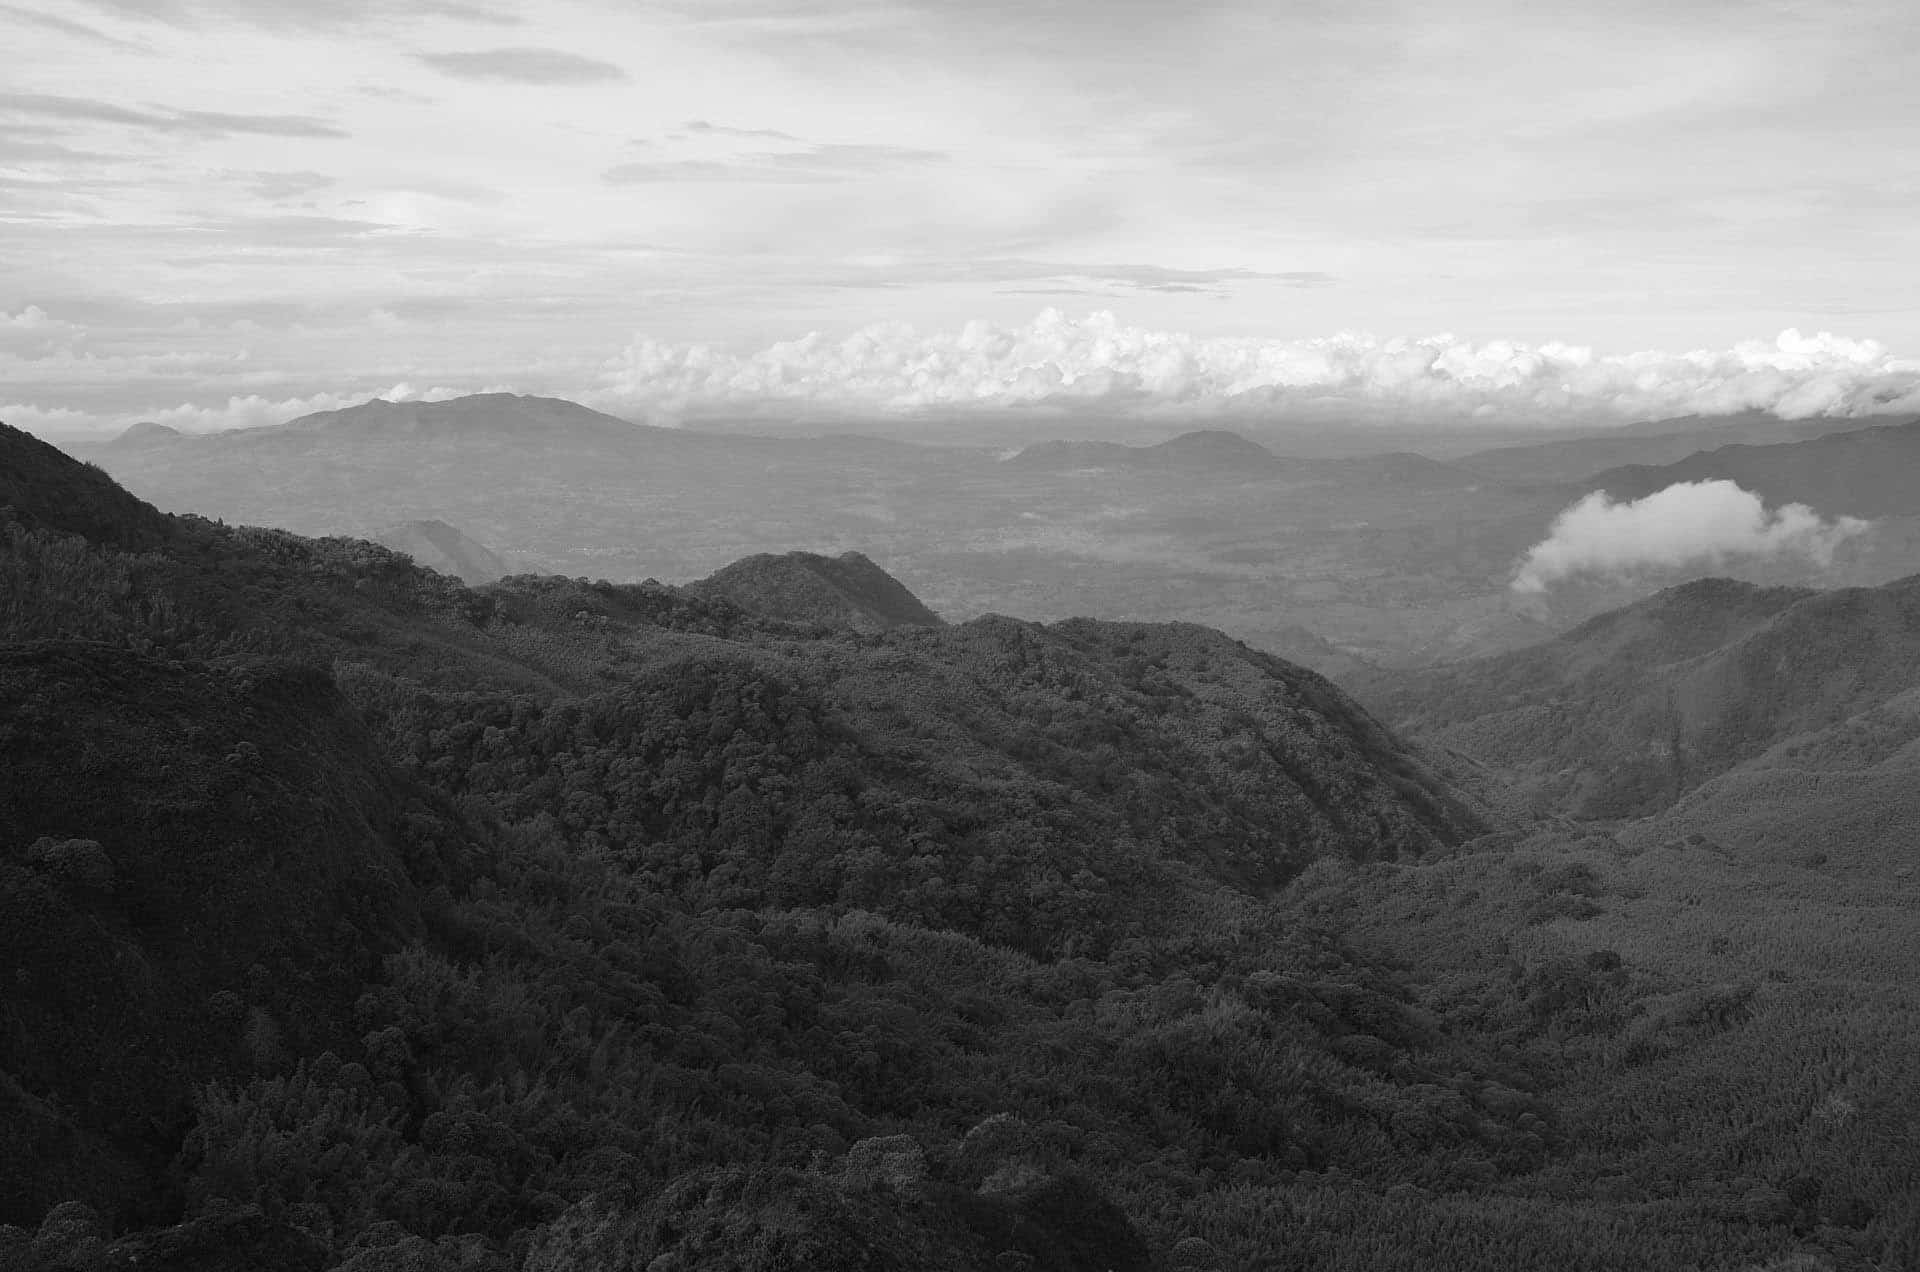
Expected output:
{"points": [[804, 587]]}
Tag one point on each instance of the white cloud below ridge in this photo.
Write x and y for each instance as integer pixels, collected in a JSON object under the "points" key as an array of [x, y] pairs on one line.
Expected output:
{"points": [[1097, 360], [1687, 523]]}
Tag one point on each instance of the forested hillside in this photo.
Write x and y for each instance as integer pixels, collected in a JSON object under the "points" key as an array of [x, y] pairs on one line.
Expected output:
{"points": [[847, 590], [357, 919], [1634, 709]]}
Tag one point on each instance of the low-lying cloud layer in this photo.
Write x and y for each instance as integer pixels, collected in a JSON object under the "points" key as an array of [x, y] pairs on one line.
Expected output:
{"points": [[261, 364], [250, 410], [1096, 360], [1688, 523]]}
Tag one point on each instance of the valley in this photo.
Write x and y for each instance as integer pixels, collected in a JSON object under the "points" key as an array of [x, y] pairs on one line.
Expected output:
{"points": [[556, 924]]}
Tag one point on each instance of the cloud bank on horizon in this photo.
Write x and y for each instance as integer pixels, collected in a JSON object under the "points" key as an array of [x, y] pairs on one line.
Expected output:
{"points": [[1054, 364], [213, 202], [1705, 523], [1097, 361]]}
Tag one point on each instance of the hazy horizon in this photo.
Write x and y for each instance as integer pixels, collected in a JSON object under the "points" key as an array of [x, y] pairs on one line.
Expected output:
{"points": [[215, 214]]}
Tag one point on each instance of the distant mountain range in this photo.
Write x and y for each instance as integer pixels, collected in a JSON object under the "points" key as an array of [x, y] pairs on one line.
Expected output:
{"points": [[1865, 472], [1575, 459], [1224, 454], [1394, 558]]}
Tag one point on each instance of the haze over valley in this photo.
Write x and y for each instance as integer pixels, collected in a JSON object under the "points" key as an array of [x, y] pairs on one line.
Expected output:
{"points": [[1391, 557]]}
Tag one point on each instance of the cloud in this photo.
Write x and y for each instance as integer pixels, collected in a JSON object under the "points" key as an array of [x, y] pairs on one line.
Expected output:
{"points": [[31, 318], [525, 66], [1688, 523], [33, 418], [814, 164], [1096, 361], [704, 128], [1146, 278], [305, 13], [277, 187], [65, 26], [198, 123]]}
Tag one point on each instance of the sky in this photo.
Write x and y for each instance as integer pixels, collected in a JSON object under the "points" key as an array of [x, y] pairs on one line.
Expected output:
{"points": [[217, 213]]}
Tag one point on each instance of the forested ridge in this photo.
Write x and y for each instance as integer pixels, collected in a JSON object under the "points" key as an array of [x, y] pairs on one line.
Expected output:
{"points": [[353, 918], [1633, 710]]}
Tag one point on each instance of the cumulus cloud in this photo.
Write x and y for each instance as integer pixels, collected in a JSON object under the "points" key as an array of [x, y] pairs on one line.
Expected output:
{"points": [[31, 318], [1098, 361], [255, 411], [1688, 523], [34, 418]]}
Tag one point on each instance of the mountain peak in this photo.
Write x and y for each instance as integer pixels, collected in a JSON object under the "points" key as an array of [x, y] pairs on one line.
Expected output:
{"points": [[496, 415], [146, 433], [846, 590]]}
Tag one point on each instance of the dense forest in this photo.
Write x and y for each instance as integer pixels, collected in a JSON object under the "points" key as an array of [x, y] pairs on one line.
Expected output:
{"points": [[351, 918]]}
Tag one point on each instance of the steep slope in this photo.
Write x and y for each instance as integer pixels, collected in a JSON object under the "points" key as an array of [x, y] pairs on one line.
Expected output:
{"points": [[1864, 472], [1630, 711], [1846, 797], [203, 852], [201, 866], [445, 548], [804, 587], [42, 488]]}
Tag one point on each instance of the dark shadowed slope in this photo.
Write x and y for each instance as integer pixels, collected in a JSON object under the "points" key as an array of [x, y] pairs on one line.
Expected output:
{"points": [[848, 590], [445, 548], [1631, 710], [1869, 472], [46, 489], [203, 851], [351, 910]]}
